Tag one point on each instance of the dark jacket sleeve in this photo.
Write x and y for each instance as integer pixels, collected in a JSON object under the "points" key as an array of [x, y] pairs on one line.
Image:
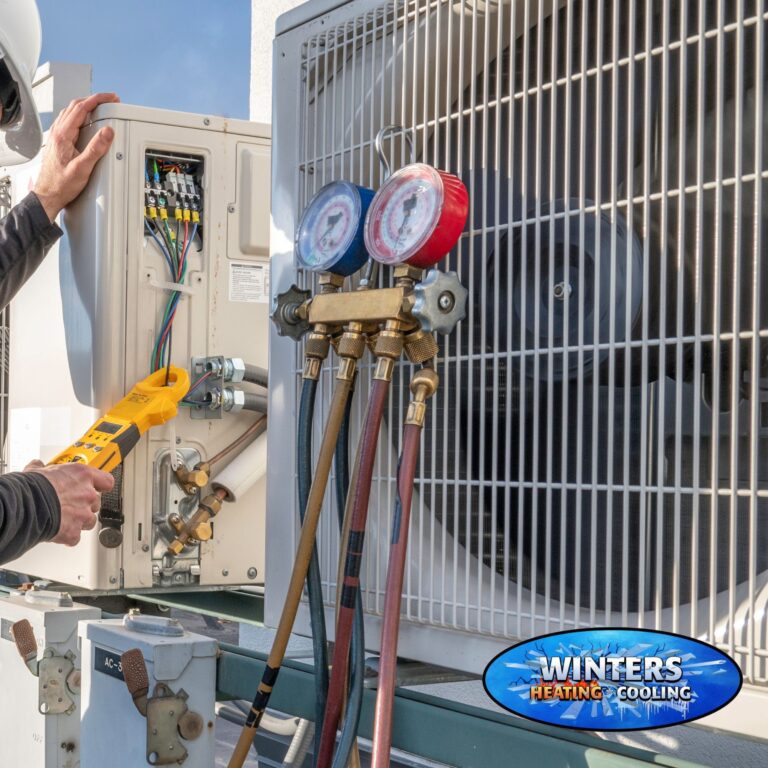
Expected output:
{"points": [[26, 235], [29, 513]]}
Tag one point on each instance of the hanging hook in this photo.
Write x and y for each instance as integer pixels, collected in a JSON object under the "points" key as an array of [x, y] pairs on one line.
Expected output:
{"points": [[372, 267], [392, 130]]}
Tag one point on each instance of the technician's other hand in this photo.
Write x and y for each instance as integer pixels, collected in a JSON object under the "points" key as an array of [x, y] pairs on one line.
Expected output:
{"points": [[65, 170], [79, 489]]}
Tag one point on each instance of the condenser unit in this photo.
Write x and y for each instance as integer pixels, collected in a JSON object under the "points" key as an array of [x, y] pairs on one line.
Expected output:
{"points": [[86, 325], [596, 454]]}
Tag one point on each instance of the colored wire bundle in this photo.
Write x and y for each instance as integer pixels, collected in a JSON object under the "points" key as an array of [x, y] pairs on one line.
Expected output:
{"points": [[175, 247], [176, 256]]}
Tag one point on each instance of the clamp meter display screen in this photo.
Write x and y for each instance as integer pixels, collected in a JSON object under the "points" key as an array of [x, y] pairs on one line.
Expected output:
{"points": [[108, 427], [404, 214], [329, 237]]}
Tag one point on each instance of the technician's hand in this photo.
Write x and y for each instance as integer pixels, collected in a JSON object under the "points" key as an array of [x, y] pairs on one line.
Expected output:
{"points": [[65, 170], [79, 489]]}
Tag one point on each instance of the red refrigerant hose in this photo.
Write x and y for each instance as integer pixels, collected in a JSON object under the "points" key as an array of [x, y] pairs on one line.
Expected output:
{"points": [[423, 386], [358, 499]]}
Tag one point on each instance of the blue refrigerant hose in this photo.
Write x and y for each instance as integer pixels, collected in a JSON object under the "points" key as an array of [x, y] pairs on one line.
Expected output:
{"points": [[314, 585]]}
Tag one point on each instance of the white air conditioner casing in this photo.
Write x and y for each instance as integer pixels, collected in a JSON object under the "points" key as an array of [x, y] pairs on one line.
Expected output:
{"points": [[29, 737], [111, 724], [84, 326], [549, 495]]}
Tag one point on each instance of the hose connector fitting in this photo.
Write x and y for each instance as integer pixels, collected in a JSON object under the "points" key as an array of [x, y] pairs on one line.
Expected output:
{"points": [[389, 347], [316, 349], [423, 386], [420, 346], [352, 342]]}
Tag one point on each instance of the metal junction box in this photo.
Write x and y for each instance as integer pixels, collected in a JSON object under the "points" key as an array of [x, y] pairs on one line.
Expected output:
{"points": [[178, 728], [28, 736], [86, 324]]}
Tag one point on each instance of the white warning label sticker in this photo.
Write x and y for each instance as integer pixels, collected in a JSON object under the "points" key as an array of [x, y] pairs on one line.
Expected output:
{"points": [[248, 282]]}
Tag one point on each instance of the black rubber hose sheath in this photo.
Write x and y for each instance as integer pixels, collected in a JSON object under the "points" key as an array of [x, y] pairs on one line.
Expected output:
{"points": [[314, 584], [256, 375], [357, 649]]}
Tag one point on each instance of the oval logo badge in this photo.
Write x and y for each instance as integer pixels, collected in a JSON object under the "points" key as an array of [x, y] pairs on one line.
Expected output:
{"points": [[612, 679]]}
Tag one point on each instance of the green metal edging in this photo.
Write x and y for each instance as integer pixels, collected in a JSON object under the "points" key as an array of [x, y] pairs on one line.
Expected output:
{"points": [[439, 729], [232, 605]]}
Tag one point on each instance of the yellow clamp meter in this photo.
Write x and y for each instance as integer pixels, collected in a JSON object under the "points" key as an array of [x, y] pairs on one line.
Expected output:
{"points": [[111, 438]]}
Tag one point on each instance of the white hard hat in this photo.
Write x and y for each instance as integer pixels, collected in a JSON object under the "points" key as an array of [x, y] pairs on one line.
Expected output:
{"points": [[20, 39]]}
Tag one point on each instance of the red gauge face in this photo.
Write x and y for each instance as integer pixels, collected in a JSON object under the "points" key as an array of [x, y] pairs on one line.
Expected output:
{"points": [[416, 216]]}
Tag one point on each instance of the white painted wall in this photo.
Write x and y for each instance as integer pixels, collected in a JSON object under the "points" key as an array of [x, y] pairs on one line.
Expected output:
{"points": [[264, 13]]}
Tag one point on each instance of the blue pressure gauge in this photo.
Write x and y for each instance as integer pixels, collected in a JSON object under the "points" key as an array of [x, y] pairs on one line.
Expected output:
{"points": [[330, 233]]}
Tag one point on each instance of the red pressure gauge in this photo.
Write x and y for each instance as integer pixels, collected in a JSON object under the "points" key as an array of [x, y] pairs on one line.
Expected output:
{"points": [[417, 216]]}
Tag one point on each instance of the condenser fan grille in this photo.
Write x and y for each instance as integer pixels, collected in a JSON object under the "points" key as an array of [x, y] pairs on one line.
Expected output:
{"points": [[598, 450]]}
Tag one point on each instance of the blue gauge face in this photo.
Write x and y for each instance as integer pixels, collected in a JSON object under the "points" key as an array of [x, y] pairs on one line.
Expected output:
{"points": [[329, 237]]}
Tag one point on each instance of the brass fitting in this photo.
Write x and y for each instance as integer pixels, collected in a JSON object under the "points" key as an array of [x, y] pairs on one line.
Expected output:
{"points": [[352, 341], [316, 349], [330, 283], [406, 275], [198, 527], [389, 347], [420, 346], [192, 480], [423, 386]]}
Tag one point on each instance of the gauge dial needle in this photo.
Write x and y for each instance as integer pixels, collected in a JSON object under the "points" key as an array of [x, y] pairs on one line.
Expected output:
{"points": [[408, 207], [332, 222]]}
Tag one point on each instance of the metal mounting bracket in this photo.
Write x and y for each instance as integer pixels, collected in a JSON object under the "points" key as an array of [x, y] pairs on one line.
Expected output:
{"points": [[58, 683]]}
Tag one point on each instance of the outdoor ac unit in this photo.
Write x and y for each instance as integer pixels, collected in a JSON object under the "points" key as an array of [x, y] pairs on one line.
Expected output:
{"points": [[84, 326], [598, 451]]}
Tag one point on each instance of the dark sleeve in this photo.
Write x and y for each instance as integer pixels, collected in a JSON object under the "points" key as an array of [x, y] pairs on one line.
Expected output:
{"points": [[26, 235], [29, 513]]}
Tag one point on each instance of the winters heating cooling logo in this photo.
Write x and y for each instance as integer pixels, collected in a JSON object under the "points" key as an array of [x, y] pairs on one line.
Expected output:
{"points": [[612, 679]]}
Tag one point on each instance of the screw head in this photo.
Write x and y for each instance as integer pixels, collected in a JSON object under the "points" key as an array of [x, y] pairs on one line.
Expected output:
{"points": [[252, 573], [145, 548], [224, 572], [446, 301], [113, 579], [206, 121], [119, 155], [231, 208]]}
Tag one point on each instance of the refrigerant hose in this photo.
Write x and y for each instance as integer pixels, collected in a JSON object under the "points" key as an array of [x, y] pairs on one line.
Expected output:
{"points": [[301, 563], [423, 386], [314, 584], [357, 503], [348, 736]]}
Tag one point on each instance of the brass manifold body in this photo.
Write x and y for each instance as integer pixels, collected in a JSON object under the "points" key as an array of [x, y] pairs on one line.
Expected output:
{"points": [[390, 321]]}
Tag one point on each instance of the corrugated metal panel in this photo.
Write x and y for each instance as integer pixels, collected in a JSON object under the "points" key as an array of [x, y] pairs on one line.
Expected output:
{"points": [[596, 454]]}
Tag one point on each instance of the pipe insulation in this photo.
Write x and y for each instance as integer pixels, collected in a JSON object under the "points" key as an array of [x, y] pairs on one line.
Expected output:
{"points": [[244, 471]]}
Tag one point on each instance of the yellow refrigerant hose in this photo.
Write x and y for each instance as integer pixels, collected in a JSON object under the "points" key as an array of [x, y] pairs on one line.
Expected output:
{"points": [[344, 377]]}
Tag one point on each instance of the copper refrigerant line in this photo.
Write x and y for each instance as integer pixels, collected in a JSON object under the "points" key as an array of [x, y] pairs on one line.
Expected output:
{"points": [[197, 528]]}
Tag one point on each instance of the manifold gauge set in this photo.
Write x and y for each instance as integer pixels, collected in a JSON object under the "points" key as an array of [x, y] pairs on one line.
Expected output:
{"points": [[410, 224]]}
